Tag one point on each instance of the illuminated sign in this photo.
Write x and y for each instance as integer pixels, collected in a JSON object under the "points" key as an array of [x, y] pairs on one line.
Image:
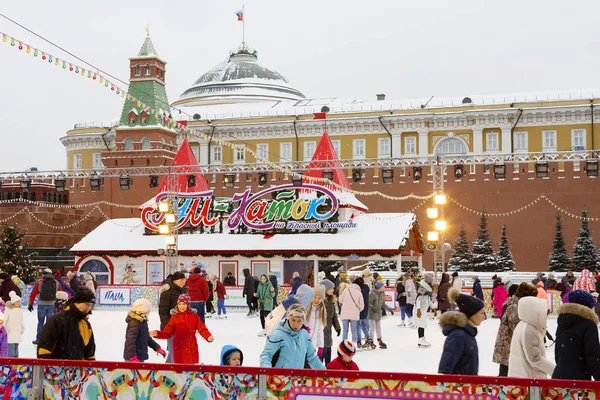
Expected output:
{"points": [[256, 211]]}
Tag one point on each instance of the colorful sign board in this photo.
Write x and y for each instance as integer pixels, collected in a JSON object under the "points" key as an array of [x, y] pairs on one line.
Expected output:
{"points": [[112, 295], [274, 207]]}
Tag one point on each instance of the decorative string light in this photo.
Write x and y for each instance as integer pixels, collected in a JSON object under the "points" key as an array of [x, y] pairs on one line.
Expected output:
{"points": [[523, 208], [172, 123], [52, 205]]}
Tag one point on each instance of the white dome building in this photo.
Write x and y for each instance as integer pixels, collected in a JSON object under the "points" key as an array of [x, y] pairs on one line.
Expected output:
{"points": [[239, 79]]}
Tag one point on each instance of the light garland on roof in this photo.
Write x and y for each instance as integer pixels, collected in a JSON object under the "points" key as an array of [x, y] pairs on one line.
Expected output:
{"points": [[526, 206], [171, 123]]}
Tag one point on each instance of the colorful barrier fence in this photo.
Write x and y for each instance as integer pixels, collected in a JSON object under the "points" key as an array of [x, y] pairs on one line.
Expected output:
{"points": [[52, 379]]}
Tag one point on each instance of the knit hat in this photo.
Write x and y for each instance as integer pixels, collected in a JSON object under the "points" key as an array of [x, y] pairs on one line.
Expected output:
{"points": [[494, 277], [60, 295], [379, 285], [343, 275], [84, 295], [141, 306], [47, 271], [184, 298], [296, 310], [582, 297], [197, 270], [455, 274], [319, 291], [346, 348], [341, 269], [177, 275], [366, 272], [13, 297], [375, 275], [468, 305], [327, 284], [428, 278], [526, 290]]}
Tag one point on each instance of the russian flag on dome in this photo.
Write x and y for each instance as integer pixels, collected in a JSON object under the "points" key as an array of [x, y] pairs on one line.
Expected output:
{"points": [[240, 15]]}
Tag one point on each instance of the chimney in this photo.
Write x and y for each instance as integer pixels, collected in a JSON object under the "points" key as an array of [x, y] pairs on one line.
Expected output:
{"points": [[380, 97]]}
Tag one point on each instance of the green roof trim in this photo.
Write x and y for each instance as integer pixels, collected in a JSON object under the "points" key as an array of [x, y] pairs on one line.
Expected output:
{"points": [[151, 94]]}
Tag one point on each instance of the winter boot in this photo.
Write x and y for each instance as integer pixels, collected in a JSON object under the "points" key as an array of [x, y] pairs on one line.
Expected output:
{"points": [[401, 325], [424, 343], [359, 344], [370, 345], [249, 314], [381, 344]]}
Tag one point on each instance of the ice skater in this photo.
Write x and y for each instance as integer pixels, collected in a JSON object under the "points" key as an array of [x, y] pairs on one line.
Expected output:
{"points": [[422, 304], [376, 303], [137, 335], [14, 323], [352, 304], [343, 361], [316, 319], [332, 320]]}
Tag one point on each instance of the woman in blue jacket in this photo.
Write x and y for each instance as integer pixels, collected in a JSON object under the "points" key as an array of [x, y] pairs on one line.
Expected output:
{"points": [[461, 354], [290, 344]]}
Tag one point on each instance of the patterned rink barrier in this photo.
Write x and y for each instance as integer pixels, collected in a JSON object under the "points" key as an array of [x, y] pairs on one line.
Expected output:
{"points": [[52, 379]]}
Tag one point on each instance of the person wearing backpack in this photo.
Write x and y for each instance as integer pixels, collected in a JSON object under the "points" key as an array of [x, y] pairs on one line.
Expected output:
{"points": [[45, 289]]}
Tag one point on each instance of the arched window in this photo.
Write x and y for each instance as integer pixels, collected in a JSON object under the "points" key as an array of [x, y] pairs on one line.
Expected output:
{"points": [[451, 146], [128, 144], [146, 144], [98, 269]]}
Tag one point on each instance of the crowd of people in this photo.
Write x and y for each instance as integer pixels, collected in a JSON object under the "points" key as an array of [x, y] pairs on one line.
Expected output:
{"points": [[299, 329]]}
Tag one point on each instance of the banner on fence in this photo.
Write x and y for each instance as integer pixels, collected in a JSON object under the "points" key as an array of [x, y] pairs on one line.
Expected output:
{"points": [[120, 296]]}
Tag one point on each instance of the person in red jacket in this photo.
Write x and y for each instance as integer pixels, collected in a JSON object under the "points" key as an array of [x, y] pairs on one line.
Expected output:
{"points": [[198, 291], [221, 293], [183, 325], [346, 351]]}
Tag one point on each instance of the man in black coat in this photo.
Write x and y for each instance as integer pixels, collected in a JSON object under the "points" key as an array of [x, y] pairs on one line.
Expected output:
{"points": [[68, 335], [248, 292], [169, 294]]}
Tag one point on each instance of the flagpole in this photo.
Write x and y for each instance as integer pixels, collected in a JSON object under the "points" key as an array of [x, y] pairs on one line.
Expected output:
{"points": [[243, 24]]}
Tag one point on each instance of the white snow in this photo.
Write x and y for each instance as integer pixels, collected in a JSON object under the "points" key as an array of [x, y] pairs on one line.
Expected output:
{"points": [[402, 354], [381, 231]]}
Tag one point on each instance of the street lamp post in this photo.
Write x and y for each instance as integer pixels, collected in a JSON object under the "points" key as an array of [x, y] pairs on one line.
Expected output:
{"points": [[169, 208]]}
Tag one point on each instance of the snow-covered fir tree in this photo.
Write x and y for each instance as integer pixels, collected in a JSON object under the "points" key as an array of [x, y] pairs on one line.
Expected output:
{"points": [[584, 251], [14, 258], [559, 259], [484, 259], [461, 256], [505, 258]]}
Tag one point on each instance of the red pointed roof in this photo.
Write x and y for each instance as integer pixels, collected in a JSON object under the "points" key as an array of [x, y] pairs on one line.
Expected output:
{"points": [[185, 156], [326, 152]]}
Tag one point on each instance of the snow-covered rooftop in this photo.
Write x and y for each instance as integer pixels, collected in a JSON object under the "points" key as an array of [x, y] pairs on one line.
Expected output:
{"points": [[376, 232], [346, 105]]}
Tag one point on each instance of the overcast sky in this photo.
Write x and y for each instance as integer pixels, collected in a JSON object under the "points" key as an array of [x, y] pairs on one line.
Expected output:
{"points": [[326, 48]]}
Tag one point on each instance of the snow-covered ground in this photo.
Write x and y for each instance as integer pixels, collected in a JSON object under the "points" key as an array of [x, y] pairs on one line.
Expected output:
{"points": [[402, 354]]}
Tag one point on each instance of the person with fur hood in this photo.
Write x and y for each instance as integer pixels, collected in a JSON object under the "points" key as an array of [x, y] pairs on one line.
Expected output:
{"points": [[585, 282], [499, 296], [352, 304], [332, 320], [182, 326], [577, 350], [137, 335], [461, 354], [508, 323], [423, 302], [527, 351]]}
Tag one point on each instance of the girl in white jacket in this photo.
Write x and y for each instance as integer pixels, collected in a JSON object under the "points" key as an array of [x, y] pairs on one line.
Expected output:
{"points": [[13, 321], [422, 304], [316, 318], [527, 351]]}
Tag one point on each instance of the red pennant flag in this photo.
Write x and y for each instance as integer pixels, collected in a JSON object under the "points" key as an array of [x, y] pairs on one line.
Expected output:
{"points": [[320, 115], [268, 236]]}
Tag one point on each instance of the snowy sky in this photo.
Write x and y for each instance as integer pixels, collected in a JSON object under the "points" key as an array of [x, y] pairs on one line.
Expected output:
{"points": [[333, 48]]}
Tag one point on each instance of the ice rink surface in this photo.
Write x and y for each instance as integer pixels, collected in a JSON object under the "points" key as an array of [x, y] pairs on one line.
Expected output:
{"points": [[402, 354]]}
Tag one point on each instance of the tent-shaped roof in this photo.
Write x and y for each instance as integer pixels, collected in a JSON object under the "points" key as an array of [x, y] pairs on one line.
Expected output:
{"points": [[184, 157], [325, 158]]}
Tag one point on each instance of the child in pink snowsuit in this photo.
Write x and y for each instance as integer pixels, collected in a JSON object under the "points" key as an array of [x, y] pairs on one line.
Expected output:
{"points": [[500, 296]]}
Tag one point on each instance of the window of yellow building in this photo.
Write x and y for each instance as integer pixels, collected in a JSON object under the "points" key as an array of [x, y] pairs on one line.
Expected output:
{"points": [[359, 148]]}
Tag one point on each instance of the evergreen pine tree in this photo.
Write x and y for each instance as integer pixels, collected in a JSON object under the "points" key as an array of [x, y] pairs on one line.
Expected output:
{"points": [[505, 258], [584, 251], [461, 256], [559, 259], [484, 259], [14, 259]]}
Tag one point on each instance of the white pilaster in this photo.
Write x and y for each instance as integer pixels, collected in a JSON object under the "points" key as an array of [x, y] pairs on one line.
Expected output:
{"points": [[506, 140], [477, 141], [396, 144], [423, 143], [203, 154]]}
